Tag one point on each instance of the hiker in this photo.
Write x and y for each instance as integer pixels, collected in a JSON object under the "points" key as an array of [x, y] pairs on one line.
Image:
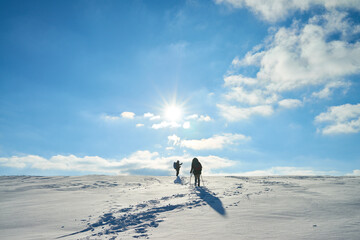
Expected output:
{"points": [[196, 170], [177, 166]]}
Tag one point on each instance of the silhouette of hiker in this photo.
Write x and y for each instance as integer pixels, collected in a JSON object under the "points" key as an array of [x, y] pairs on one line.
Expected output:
{"points": [[177, 166], [196, 170]]}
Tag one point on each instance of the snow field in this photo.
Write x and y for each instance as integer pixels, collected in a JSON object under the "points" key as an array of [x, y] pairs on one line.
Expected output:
{"points": [[143, 207]]}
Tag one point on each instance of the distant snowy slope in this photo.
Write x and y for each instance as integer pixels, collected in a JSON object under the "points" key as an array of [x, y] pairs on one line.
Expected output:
{"points": [[141, 207]]}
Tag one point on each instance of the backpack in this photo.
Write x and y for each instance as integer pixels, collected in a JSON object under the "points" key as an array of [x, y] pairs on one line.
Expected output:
{"points": [[175, 165], [197, 167]]}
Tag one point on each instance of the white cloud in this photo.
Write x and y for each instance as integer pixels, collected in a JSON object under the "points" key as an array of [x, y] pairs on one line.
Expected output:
{"points": [[139, 125], [234, 113], [328, 89], [65, 163], [298, 57], [151, 116], [239, 80], [355, 172], [143, 159], [205, 118], [129, 115], [279, 9], [340, 119], [201, 118], [287, 171], [146, 160], [153, 160], [148, 115], [192, 117], [254, 96], [215, 142], [94, 164], [302, 57], [210, 163], [253, 57], [290, 103], [165, 124], [174, 140]]}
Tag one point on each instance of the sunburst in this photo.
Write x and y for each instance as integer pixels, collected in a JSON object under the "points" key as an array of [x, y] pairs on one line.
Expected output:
{"points": [[173, 113]]}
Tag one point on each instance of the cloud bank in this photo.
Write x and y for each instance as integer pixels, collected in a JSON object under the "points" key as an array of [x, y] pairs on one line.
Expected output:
{"points": [[140, 160], [93, 164], [287, 171], [310, 60], [151, 161]]}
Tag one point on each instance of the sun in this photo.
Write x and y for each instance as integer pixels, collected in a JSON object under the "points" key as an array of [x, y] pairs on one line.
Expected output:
{"points": [[173, 113]]}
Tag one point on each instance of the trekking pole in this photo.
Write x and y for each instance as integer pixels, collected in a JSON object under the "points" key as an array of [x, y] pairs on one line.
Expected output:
{"points": [[190, 179], [202, 180]]}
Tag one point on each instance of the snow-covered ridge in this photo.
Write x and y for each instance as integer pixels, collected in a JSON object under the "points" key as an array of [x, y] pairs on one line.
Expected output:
{"points": [[142, 207]]}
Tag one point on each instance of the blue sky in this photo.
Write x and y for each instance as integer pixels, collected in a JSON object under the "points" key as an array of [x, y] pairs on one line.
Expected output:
{"points": [[128, 87]]}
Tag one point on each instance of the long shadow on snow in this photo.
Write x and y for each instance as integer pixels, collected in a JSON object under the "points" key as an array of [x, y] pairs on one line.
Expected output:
{"points": [[178, 180], [140, 221], [210, 198]]}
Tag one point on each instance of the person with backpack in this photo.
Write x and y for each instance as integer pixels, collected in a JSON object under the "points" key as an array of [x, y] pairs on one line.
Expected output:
{"points": [[196, 170], [177, 166]]}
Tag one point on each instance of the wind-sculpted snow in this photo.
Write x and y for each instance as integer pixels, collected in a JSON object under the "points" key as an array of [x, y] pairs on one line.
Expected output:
{"points": [[136, 207]]}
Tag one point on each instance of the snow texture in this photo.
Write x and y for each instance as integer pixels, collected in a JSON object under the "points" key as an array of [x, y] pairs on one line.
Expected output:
{"points": [[141, 207]]}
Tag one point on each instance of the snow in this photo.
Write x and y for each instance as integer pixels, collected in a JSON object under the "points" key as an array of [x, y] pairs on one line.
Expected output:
{"points": [[144, 207]]}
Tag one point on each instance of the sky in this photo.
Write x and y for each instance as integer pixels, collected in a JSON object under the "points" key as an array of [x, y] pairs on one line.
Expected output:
{"points": [[249, 87]]}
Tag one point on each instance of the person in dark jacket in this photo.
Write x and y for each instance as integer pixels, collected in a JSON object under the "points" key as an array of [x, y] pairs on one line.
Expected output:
{"points": [[177, 167], [196, 170]]}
